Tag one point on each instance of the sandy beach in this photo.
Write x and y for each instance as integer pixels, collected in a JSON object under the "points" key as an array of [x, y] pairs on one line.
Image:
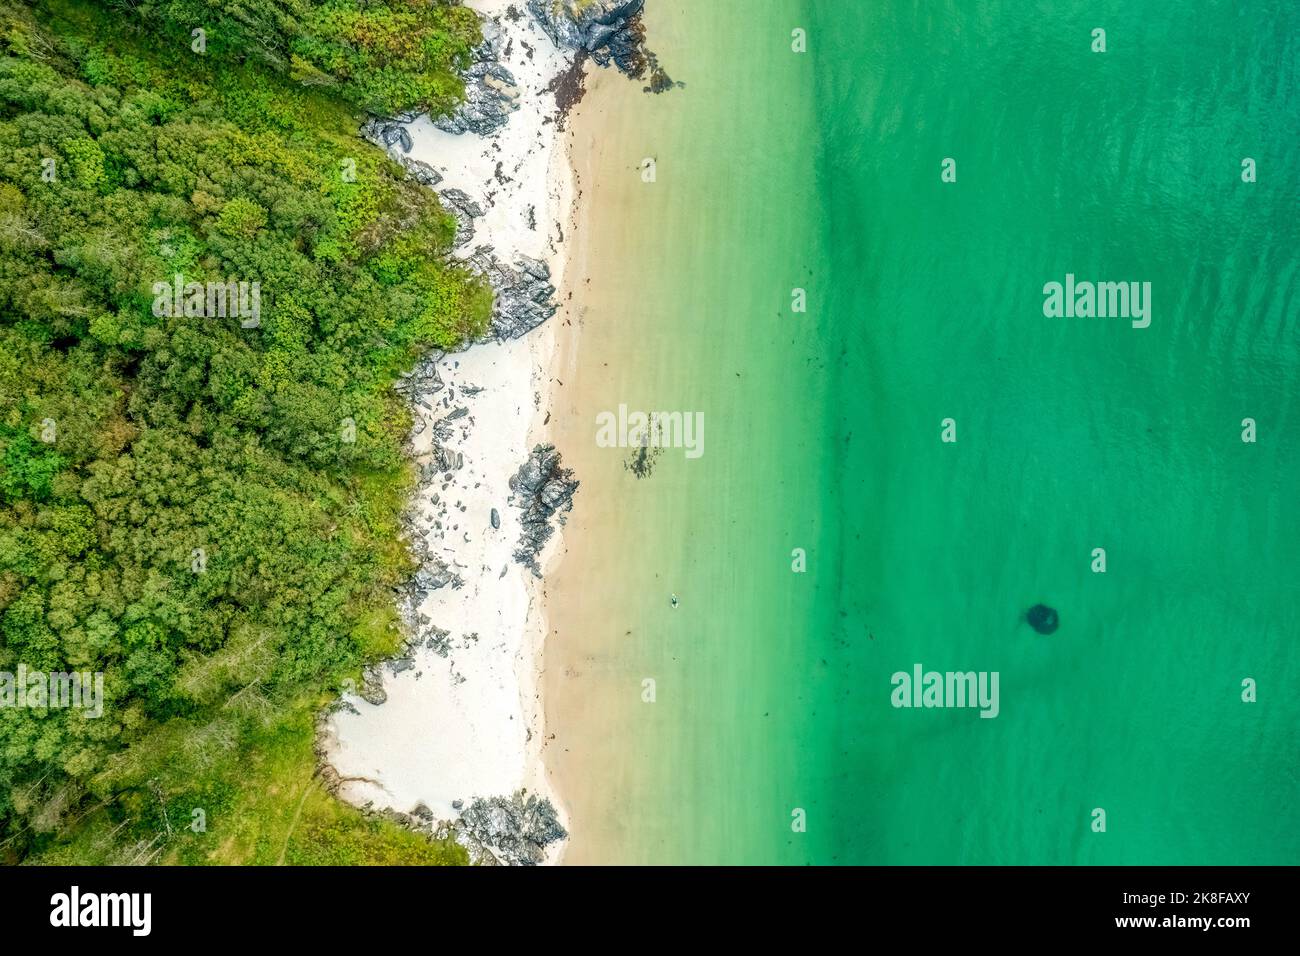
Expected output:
{"points": [[462, 716], [591, 687], [506, 701]]}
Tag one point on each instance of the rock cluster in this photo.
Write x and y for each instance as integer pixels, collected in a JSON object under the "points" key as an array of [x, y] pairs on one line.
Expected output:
{"points": [[466, 210], [491, 91], [389, 133], [516, 830], [422, 382], [607, 30], [543, 488], [496, 831], [372, 687], [393, 136], [522, 295]]}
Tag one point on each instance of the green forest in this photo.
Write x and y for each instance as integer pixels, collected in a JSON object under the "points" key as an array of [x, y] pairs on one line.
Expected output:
{"points": [[203, 510]]}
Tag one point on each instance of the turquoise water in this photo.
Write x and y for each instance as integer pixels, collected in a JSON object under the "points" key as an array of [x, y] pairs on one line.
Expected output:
{"points": [[1072, 434], [822, 170]]}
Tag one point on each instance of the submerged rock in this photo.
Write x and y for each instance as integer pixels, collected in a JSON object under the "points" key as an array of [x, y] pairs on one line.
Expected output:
{"points": [[1042, 618], [543, 489]]}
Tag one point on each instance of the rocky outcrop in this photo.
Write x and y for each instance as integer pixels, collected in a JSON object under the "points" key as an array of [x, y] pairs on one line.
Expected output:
{"points": [[521, 295], [422, 173], [421, 383], [391, 134], [372, 687], [495, 831], [607, 30], [420, 386], [513, 830], [491, 91], [466, 210], [543, 489]]}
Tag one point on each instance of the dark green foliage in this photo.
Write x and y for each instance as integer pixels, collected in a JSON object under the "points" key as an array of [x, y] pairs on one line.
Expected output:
{"points": [[204, 512], [385, 56]]}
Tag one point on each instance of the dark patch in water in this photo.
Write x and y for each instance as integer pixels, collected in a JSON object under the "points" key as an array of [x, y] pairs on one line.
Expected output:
{"points": [[1043, 619], [642, 460]]}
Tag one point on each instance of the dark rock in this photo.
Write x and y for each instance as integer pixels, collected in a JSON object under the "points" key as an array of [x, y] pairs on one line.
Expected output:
{"points": [[521, 296], [515, 830], [466, 210], [379, 131], [543, 489], [372, 687], [609, 30], [390, 134], [495, 518], [1043, 619], [422, 173], [423, 380], [600, 35], [491, 95]]}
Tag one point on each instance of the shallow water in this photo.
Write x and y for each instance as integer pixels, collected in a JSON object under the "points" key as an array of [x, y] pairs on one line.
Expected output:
{"points": [[822, 171]]}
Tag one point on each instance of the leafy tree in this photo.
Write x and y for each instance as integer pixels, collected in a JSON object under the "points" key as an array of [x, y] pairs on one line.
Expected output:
{"points": [[181, 506]]}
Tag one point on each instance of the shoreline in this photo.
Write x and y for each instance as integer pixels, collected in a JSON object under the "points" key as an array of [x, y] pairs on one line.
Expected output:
{"points": [[580, 710], [422, 753]]}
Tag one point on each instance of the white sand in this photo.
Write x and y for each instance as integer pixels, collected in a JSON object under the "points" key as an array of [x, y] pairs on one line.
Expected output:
{"points": [[471, 724]]}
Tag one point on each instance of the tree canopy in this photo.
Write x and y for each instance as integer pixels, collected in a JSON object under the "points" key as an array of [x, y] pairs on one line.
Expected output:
{"points": [[385, 56], [202, 511]]}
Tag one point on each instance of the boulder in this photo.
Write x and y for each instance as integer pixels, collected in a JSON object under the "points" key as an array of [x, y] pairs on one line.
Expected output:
{"points": [[491, 95], [466, 210], [515, 830], [607, 30], [521, 294], [543, 489]]}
